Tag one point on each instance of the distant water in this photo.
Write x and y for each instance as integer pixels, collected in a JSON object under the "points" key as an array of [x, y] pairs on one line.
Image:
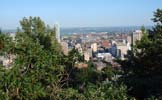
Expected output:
{"points": [[86, 30]]}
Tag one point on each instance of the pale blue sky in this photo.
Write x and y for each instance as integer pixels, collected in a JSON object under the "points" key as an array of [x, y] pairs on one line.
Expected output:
{"points": [[79, 13]]}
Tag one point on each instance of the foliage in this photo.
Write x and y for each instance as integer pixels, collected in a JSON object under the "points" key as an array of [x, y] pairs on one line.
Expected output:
{"points": [[6, 44], [107, 90], [36, 67], [81, 77], [143, 68]]}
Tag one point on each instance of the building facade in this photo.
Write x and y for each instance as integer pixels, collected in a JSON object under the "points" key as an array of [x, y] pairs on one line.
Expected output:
{"points": [[94, 47], [57, 32], [137, 35]]}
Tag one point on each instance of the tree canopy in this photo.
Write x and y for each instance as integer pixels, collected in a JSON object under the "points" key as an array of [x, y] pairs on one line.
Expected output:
{"points": [[142, 69]]}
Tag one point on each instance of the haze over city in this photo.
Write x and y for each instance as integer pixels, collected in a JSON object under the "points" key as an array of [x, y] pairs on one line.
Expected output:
{"points": [[80, 13]]}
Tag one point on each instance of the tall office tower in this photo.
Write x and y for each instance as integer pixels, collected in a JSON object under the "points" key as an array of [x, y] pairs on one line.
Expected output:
{"points": [[57, 32], [137, 35]]}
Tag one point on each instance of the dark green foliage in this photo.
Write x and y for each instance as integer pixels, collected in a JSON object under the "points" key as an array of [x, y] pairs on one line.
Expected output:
{"points": [[6, 44], [143, 70], [81, 77], [36, 67], [107, 90], [0, 31], [109, 72]]}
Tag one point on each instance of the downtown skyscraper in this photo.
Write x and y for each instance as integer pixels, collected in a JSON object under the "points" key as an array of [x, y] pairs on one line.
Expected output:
{"points": [[57, 32]]}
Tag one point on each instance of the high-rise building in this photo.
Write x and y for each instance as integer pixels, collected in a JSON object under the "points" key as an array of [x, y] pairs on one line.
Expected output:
{"points": [[57, 32], [137, 35]]}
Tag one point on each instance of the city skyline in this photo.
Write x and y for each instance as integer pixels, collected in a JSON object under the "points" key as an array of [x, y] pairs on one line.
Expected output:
{"points": [[72, 13]]}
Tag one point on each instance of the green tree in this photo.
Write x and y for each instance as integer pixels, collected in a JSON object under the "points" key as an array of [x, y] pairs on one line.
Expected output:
{"points": [[37, 67], [143, 68], [107, 90]]}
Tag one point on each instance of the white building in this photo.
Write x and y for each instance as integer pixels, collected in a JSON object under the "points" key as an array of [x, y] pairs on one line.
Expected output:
{"points": [[119, 50], [57, 32], [137, 35], [105, 56], [87, 54], [79, 48], [94, 47], [100, 55], [129, 39], [123, 49], [108, 57]]}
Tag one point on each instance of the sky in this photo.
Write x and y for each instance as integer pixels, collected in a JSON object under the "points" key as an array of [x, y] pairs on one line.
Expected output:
{"points": [[79, 13]]}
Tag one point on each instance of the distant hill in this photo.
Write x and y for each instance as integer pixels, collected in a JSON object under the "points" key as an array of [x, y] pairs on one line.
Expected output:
{"points": [[9, 30]]}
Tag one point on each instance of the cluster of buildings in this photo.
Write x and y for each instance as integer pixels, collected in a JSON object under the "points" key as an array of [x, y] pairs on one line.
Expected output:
{"points": [[99, 47]]}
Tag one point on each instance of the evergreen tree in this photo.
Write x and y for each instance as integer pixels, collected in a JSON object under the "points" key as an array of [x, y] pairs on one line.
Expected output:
{"points": [[37, 68], [143, 68]]}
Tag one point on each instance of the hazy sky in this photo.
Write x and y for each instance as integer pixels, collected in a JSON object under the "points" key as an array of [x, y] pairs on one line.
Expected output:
{"points": [[79, 13]]}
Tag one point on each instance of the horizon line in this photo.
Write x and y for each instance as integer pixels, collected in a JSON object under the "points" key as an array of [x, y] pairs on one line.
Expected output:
{"points": [[1, 28]]}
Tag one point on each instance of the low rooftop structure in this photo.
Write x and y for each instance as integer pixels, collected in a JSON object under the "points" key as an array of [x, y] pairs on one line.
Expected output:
{"points": [[81, 65]]}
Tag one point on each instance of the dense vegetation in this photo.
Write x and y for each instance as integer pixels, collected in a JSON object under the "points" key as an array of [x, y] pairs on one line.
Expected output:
{"points": [[143, 69], [41, 71]]}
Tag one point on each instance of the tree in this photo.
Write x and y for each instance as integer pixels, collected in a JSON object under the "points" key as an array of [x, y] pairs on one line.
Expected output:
{"points": [[106, 90], [143, 68], [37, 68]]}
